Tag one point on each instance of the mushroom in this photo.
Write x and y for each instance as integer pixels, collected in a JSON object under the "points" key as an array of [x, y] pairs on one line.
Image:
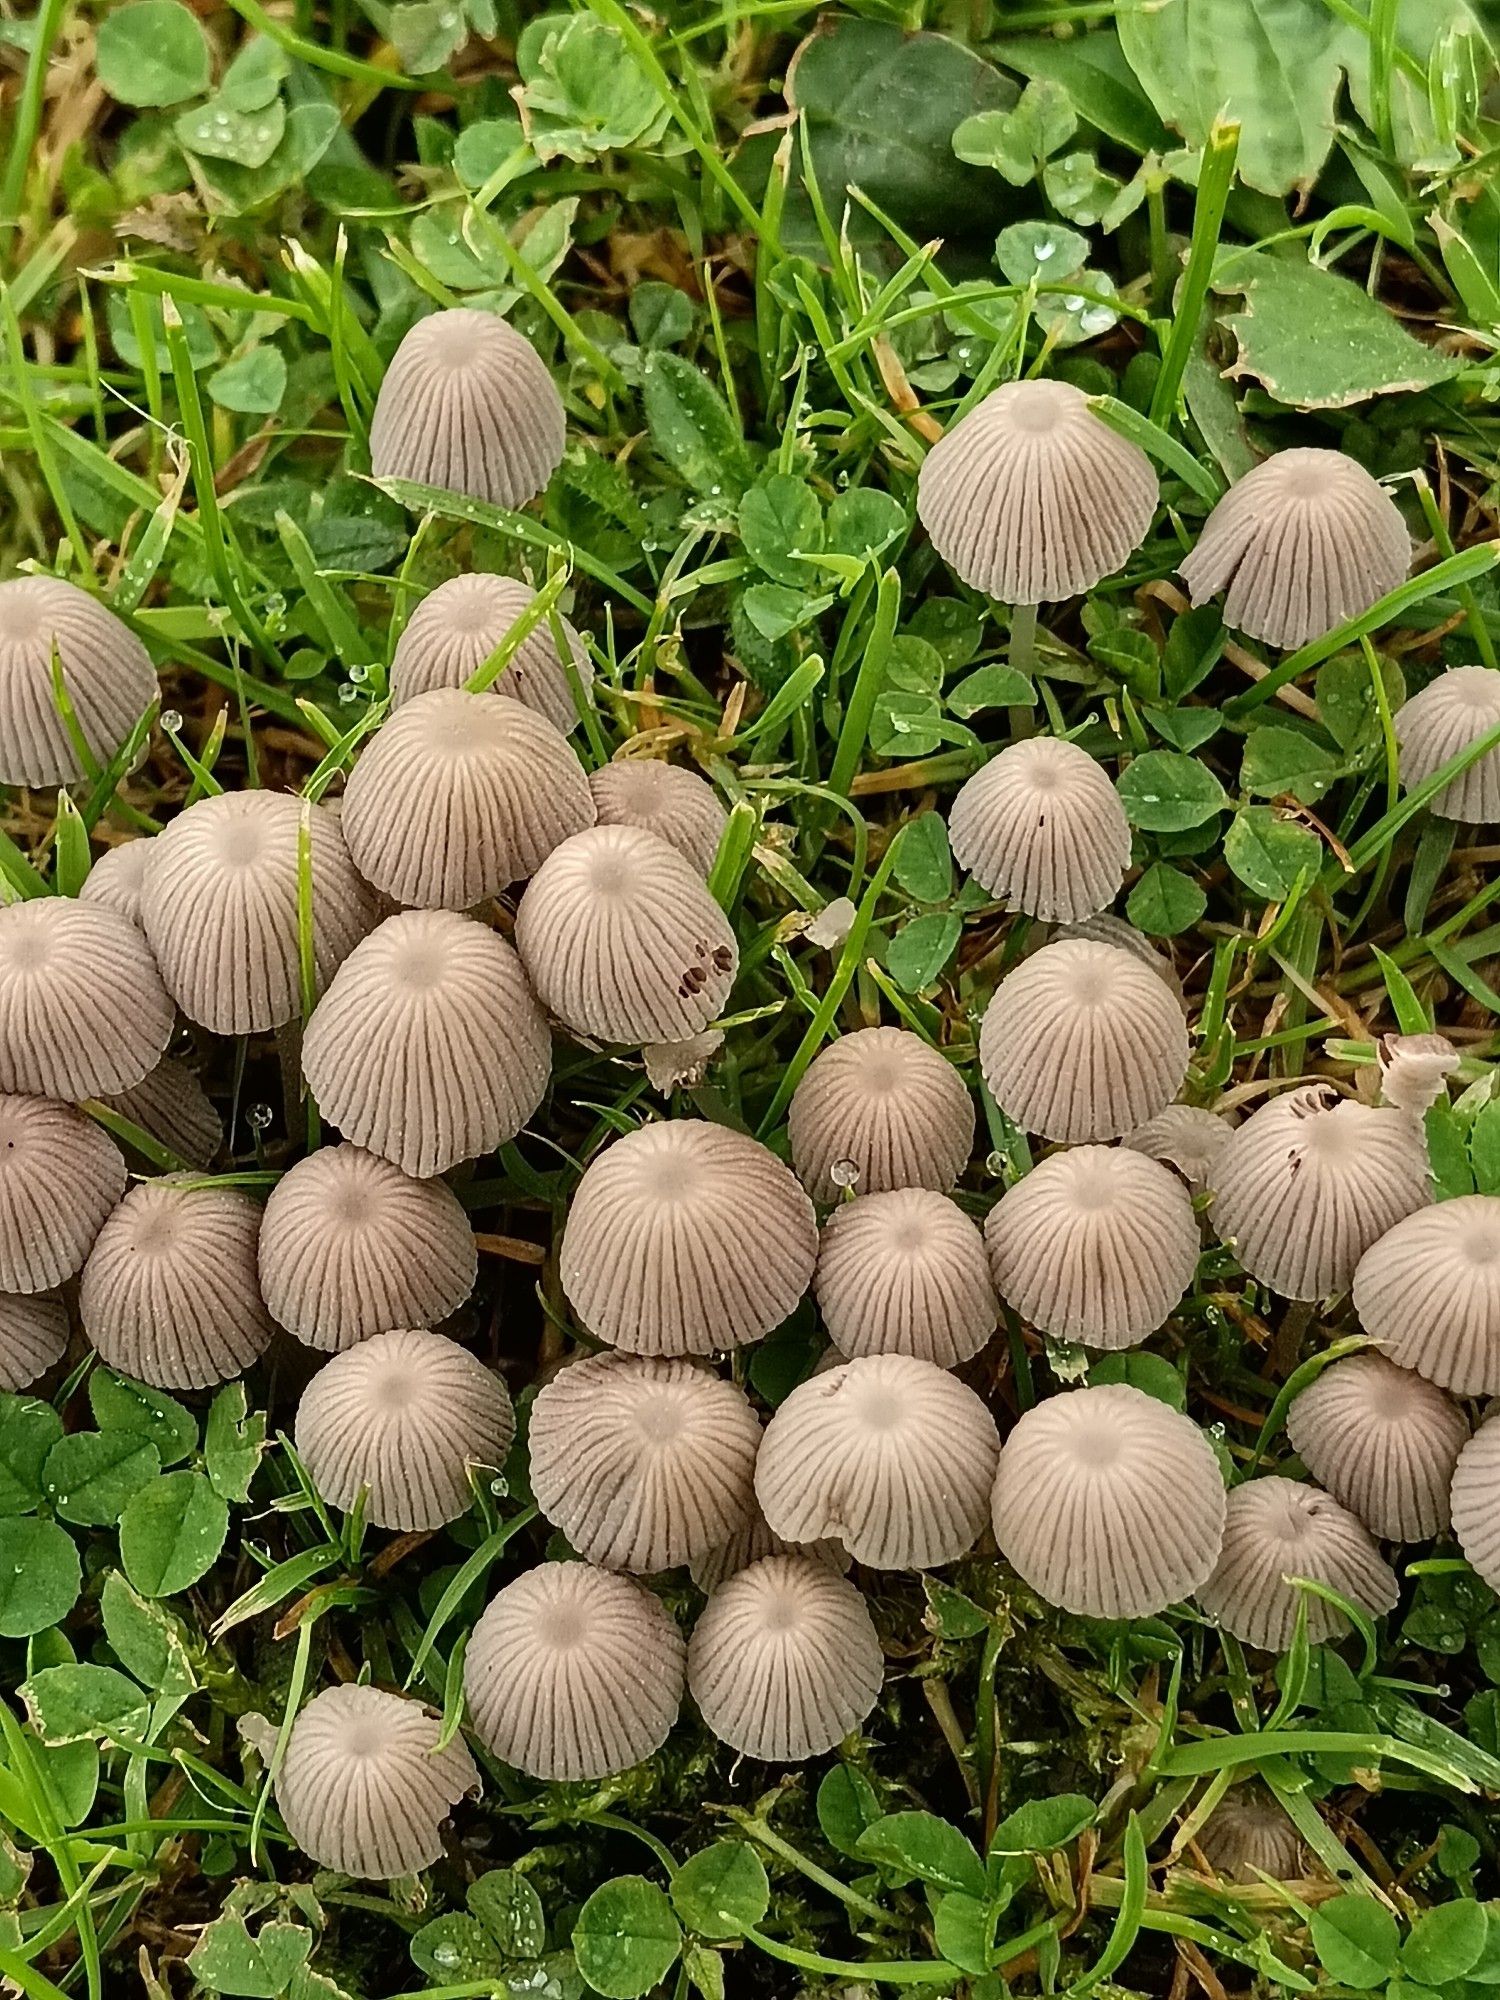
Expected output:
{"points": [[1109, 1503], [1095, 1245], [664, 799], [784, 1661], [106, 672], [1414, 1071], [458, 795], [1438, 722], [876, 1110], [1305, 540], [60, 1176], [1248, 1836], [33, 1337], [468, 404], [642, 1463], [456, 628], [573, 1674], [1042, 827], [83, 1010], [428, 1047], [115, 878], [888, 1455], [1428, 1293], [904, 1272], [1274, 1530], [752, 1541], [1475, 1502], [1185, 1137], [1104, 927], [350, 1246], [171, 1106], [685, 1237], [1082, 1041], [1383, 1442]]}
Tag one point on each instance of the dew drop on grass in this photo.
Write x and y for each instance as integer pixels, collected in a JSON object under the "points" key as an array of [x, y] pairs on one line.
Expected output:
{"points": [[171, 721], [844, 1173], [258, 1117]]}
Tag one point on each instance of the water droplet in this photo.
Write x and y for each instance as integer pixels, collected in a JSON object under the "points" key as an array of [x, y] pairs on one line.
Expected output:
{"points": [[171, 721], [258, 1117], [844, 1173], [995, 1164], [446, 1954], [1098, 319], [1043, 251], [1073, 302], [358, 674]]}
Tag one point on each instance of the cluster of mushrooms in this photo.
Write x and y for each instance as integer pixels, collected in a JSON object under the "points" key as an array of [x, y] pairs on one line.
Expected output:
{"points": [[431, 1045]]}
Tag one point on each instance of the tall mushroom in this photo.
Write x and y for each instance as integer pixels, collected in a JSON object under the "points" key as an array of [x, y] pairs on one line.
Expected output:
{"points": [[1440, 720], [904, 1272], [60, 1176], [1383, 1442], [665, 800], [83, 1010], [107, 678], [1042, 827], [880, 1109], [1275, 1531], [456, 628], [1428, 1293]]}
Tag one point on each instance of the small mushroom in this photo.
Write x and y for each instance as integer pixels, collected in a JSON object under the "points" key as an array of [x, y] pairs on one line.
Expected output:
{"points": [[171, 1106], [1428, 1294], [880, 1109], [60, 1176], [1438, 722], [752, 1541], [83, 1010], [456, 628], [1475, 1502], [107, 677], [1185, 1137], [1414, 1071], [33, 1337], [664, 799], [904, 1272], [1383, 1442], [116, 877], [1042, 828], [1274, 1530], [1248, 1836]]}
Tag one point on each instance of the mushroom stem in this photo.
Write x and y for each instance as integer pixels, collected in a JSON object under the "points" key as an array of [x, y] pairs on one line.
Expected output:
{"points": [[1021, 654]]}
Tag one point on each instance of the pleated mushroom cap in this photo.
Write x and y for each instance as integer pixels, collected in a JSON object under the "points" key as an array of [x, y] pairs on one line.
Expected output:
{"points": [[428, 1047], [170, 1294], [60, 1175], [171, 1106], [1082, 1041], [106, 672], [1275, 1529], [1302, 542], [456, 627], [888, 1455], [876, 1110], [672, 803], [1428, 1293], [752, 1541], [1383, 1442], [219, 908], [1096, 1245], [1185, 1137], [573, 1674], [1042, 828], [904, 1272], [1475, 1502], [784, 1660], [1438, 722], [1031, 497], [1246, 1838], [469, 405], [33, 1337], [83, 1010], [363, 1787], [402, 1417], [1307, 1184], [684, 1238], [642, 1463], [350, 1246], [458, 795], [116, 877], [1414, 1071], [622, 940]]}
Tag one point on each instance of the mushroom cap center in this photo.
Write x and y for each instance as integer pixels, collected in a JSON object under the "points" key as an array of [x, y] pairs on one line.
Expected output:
{"points": [[562, 1626], [1038, 407], [241, 844], [449, 342], [22, 614]]}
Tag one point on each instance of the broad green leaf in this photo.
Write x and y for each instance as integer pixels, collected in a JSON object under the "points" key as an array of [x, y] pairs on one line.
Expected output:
{"points": [[233, 1439], [584, 90], [1346, 698], [147, 1640], [863, 522], [152, 52], [425, 33], [119, 1404], [1043, 1824], [1165, 901], [626, 1938], [40, 1577], [1356, 1940], [705, 1970], [171, 1533], [1445, 1943], [1448, 1152], [950, 1614], [964, 1928], [1093, 70], [1016, 142], [722, 1890], [921, 1844], [254, 78], [992, 687], [1152, 1374], [484, 147], [1165, 792], [692, 428], [1028, 250], [660, 315], [80, 1702], [217, 130], [456, 1947], [311, 129], [780, 521], [89, 1475], [924, 865], [906, 725], [1268, 850], [29, 1428], [918, 952], [510, 1910], [847, 1805], [1279, 759], [253, 384], [775, 609], [227, 1959]]}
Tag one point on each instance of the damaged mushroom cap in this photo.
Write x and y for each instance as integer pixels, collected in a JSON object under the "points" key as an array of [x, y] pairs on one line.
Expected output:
{"points": [[1082, 1041], [904, 1272], [1475, 1502], [33, 1337], [171, 1106], [83, 1010], [888, 1455], [107, 677], [642, 1463], [784, 1660], [456, 628], [1275, 1529], [428, 1047], [664, 799], [458, 795], [363, 1786], [1095, 1245], [1247, 1837], [1042, 828], [622, 940], [1302, 542], [573, 1674], [115, 878], [880, 1109], [1438, 722], [1428, 1294], [752, 1541], [469, 405], [685, 1237], [1383, 1442], [1185, 1137], [1414, 1070], [1109, 1503], [1031, 497], [60, 1176], [350, 1246]]}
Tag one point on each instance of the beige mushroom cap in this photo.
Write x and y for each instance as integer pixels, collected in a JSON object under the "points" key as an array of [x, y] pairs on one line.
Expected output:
{"points": [[1185, 1137], [672, 803], [60, 1175], [1042, 827], [116, 877], [170, 1105], [1428, 1293], [752, 1541], [1383, 1442], [1475, 1502], [106, 673], [880, 1109], [1246, 1838], [33, 1337], [1275, 1529], [1438, 722], [1414, 1071], [904, 1272], [83, 1010], [456, 627]]}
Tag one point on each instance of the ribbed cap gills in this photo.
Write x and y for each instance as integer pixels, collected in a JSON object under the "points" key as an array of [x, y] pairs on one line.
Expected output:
{"points": [[33, 1337], [1042, 827], [171, 1106], [904, 1272], [82, 1007], [1185, 1137], [752, 1541], [107, 676], [1428, 1292], [664, 799], [115, 878], [573, 1674], [1247, 1837], [1383, 1442], [1274, 1530], [60, 1176], [1475, 1501], [686, 1237], [880, 1109], [1438, 722], [456, 627]]}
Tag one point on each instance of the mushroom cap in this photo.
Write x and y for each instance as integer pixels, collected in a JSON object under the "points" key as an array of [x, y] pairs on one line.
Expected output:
{"points": [[784, 1660], [219, 907], [106, 672], [622, 940], [1082, 1041], [1096, 1245], [456, 627], [904, 1272], [458, 795], [363, 1787], [428, 1047], [1475, 1502], [1414, 1071], [116, 876], [1307, 1184], [1302, 542], [469, 405], [1104, 927], [685, 1237], [643, 1463], [171, 1106], [169, 1294], [752, 1541], [1275, 1529], [880, 1109], [574, 1674], [33, 1336], [350, 1246], [674, 804], [1246, 1837], [83, 1010], [1185, 1137], [403, 1416], [60, 1175], [1042, 827], [1428, 1293], [1383, 1442], [1109, 1503], [1031, 497], [1438, 722], [888, 1455]]}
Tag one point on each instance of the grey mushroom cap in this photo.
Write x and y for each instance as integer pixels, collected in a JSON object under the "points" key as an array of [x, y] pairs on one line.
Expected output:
{"points": [[1248, 1837], [60, 1176], [170, 1105], [756, 1538], [573, 1674], [1041, 827], [468, 404], [1414, 1071], [456, 628], [1475, 1502], [116, 878], [83, 1010], [33, 1337], [1383, 1442], [107, 676], [665, 800], [880, 1109], [1428, 1294], [1438, 722], [1274, 1530], [905, 1272], [1031, 497], [1186, 1137]]}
